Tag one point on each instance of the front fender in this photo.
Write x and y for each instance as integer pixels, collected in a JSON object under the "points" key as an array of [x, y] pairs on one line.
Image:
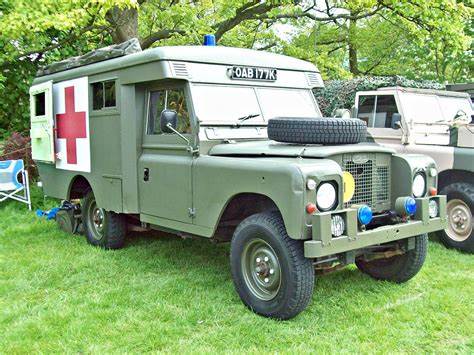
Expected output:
{"points": [[404, 168], [217, 179]]}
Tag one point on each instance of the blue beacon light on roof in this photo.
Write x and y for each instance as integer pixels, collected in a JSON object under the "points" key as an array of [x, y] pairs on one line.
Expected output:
{"points": [[209, 40]]}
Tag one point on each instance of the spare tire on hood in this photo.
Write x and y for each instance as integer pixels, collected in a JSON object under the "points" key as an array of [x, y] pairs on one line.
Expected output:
{"points": [[317, 130]]}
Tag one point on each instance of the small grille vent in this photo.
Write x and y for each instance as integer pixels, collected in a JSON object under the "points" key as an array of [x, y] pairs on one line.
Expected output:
{"points": [[314, 79], [180, 69], [363, 176], [381, 187], [372, 181]]}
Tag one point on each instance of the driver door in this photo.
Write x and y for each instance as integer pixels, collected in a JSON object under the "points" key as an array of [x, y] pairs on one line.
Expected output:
{"points": [[165, 189]]}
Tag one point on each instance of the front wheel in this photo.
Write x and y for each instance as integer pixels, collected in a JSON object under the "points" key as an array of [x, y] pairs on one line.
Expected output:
{"points": [[103, 228], [398, 268], [269, 270], [460, 210]]}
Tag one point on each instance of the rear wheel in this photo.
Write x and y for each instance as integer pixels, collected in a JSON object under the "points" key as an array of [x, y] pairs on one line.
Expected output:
{"points": [[103, 228], [269, 270], [460, 209], [398, 268]]}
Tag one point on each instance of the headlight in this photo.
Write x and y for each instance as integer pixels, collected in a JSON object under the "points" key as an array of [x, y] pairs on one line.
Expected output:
{"points": [[419, 185], [326, 196]]}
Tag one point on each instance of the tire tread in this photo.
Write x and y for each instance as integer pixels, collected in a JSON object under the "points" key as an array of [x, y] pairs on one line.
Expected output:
{"points": [[317, 131], [303, 268]]}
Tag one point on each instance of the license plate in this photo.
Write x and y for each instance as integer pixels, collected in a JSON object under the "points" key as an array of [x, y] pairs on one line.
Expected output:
{"points": [[253, 73]]}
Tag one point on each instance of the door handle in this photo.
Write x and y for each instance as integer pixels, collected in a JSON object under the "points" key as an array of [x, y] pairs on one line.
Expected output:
{"points": [[146, 174]]}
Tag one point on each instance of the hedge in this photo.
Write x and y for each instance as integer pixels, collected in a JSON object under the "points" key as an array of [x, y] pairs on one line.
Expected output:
{"points": [[341, 93]]}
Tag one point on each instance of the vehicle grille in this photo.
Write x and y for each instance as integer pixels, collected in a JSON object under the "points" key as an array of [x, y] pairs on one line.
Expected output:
{"points": [[372, 180]]}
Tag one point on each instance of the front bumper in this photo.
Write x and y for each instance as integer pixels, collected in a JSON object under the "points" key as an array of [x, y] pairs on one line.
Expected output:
{"points": [[323, 244]]}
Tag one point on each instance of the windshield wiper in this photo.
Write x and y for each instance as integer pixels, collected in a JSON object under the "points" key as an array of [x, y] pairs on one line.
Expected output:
{"points": [[245, 118]]}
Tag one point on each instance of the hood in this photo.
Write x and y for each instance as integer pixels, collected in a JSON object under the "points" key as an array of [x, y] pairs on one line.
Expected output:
{"points": [[276, 149]]}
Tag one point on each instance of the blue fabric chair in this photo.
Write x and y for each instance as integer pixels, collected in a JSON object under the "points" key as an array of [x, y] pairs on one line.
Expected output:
{"points": [[10, 185]]}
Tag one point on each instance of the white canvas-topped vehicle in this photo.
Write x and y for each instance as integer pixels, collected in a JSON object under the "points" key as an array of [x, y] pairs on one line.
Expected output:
{"points": [[437, 123]]}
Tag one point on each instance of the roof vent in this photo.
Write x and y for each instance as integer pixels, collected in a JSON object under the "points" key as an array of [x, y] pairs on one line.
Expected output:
{"points": [[180, 69], [314, 79]]}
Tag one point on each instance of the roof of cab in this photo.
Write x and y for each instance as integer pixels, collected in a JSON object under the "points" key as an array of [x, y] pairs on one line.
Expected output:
{"points": [[197, 54], [425, 91]]}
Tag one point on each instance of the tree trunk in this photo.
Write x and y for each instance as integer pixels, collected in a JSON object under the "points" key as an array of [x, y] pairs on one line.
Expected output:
{"points": [[124, 23], [353, 62]]}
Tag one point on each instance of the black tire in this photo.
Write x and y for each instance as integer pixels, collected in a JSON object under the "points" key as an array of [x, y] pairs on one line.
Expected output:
{"points": [[108, 232], [459, 235], [399, 268], [317, 130], [294, 273]]}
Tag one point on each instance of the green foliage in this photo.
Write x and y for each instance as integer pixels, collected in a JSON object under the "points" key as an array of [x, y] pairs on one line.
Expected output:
{"points": [[165, 294], [418, 39], [341, 93]]}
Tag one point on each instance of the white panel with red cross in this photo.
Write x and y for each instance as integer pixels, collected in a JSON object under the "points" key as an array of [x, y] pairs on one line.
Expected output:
{"points": [[71, 115]]}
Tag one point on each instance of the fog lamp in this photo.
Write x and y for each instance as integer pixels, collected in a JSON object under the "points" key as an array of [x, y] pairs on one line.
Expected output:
{"points": [[364, 214], [410, 206], [405, 206], [337, 225], [433, 208]]}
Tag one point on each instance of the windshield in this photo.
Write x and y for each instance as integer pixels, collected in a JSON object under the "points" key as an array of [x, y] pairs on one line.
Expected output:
{"points": [[424, 108], [227, 104]]}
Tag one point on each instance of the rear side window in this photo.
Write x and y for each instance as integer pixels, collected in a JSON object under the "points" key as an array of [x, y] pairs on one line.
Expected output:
{"points": [[103, 95], [40, 104]]}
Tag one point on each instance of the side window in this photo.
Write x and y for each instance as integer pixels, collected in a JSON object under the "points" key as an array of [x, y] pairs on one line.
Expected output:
{"points": [[167, 99], [40, 104], [386, 107], [103, 95], [365, 111]]}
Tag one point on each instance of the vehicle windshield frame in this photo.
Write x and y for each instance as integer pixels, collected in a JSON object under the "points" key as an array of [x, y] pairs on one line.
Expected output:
{"points": [[262, 118]]}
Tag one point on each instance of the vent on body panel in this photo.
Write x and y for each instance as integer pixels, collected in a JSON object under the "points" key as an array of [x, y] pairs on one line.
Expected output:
{"points": [[180, 69], [314, 79]]}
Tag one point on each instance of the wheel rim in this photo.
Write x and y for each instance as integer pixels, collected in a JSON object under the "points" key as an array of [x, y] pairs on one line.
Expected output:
{"points": [[97, 218], [459, 220], [261, 269]]}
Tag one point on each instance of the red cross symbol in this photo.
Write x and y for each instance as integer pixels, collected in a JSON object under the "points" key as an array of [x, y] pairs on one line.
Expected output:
{"points": [[71, 125]]}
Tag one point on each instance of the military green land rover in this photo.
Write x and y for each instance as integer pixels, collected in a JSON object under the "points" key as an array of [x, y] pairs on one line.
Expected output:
{"points": [[229, 144]]}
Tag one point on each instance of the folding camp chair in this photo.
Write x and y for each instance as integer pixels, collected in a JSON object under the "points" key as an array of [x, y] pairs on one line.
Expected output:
{"points": [[10, 186]]}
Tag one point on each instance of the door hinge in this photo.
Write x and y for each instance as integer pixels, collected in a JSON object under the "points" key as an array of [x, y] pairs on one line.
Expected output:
{"points": [[191, 212]]}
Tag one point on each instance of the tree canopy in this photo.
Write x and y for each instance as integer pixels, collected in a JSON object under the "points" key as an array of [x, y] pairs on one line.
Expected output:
{"points": [[420, 39]]}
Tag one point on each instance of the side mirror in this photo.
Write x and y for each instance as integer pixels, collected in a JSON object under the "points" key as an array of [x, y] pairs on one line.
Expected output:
{"points": [[341, 113], [168, 118], [396, 121], [354, 112]]}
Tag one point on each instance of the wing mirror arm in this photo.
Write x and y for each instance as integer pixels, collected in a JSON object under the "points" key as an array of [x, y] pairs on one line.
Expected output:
{"points": [[189, 147], [172, 129]]}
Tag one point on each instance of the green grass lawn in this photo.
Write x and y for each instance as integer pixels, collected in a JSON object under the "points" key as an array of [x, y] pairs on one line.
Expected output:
{"points": [[162, 293]]}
